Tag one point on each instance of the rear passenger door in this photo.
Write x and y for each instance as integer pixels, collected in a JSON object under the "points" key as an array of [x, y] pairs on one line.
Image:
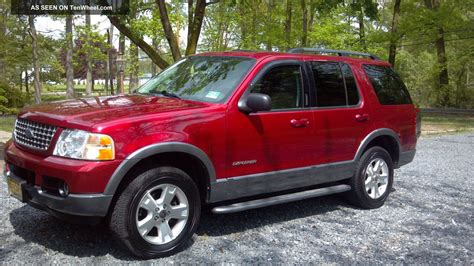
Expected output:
{"points": [[340, 116]]}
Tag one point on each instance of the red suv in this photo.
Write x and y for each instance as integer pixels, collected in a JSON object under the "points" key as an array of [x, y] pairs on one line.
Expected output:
{"points": [[232, 130]]}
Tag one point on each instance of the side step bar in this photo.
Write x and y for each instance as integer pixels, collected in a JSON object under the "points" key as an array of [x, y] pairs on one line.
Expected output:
{"points": [[259, 203]]}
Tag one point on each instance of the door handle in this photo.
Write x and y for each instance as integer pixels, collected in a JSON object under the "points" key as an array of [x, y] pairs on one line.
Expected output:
{"points": [[299, 122], [361, 117]]}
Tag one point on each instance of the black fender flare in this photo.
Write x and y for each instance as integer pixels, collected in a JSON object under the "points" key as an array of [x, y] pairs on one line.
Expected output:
{"points": [[374, 134], [155, 149]]}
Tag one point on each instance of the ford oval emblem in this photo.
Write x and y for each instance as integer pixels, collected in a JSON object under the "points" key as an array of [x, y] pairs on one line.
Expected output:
{"points": [[29, 133]]}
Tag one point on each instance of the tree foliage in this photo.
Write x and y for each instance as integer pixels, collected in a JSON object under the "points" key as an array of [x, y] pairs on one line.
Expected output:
{"points": [[164, 31]]}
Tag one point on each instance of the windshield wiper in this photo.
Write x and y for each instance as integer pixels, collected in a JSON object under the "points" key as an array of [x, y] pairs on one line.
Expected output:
{"points": [[170, 94], [163, 93]]}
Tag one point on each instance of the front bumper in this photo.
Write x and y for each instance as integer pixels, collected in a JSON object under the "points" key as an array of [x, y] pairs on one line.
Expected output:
{"points": [[93, 205], [86, 181]]}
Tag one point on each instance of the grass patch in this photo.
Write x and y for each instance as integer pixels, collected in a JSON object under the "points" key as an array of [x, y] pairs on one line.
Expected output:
{"points": [[436, 123], [7, 122]]}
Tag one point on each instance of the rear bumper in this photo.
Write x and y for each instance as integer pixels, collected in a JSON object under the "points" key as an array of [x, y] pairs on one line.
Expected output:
{"points": [[89, 205], [406, 157]]}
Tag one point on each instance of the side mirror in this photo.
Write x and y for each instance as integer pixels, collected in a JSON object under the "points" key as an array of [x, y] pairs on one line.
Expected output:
{"points": [[255, 102]]}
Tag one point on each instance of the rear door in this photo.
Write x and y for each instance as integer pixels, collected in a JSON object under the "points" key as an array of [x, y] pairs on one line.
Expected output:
{"points": [[341, 117]]}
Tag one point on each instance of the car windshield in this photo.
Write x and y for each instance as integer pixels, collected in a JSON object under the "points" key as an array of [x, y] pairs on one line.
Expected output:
{"points": [[200, 78]]}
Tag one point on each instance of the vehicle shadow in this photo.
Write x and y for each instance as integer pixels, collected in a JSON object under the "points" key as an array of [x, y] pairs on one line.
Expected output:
{"points": [[85, 241], [224, 224]]}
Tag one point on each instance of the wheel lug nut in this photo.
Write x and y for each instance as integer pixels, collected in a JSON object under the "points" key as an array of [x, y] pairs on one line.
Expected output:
{"points": [[156, 218]]}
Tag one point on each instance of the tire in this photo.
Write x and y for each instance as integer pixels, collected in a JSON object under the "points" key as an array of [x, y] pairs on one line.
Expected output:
{"points": [[370, 188], [160, 233]]}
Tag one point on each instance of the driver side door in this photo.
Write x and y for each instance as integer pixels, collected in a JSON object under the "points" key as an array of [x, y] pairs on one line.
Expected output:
{"points": [[261, 144]]}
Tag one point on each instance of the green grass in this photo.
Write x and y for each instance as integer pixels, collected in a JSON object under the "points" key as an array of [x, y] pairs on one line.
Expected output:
{"points": [[81, 88], [435, 123], [7, 122]]}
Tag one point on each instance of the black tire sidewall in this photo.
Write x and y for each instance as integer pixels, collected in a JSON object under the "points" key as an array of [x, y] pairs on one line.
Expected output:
{"points": [[359, 179], [150, 179]]}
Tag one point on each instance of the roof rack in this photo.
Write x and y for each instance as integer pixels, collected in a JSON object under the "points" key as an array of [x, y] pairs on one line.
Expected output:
{"points": [[329, 51]]}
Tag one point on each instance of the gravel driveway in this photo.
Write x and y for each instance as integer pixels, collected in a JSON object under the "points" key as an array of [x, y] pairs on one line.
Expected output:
{"points": [[427, 219]]}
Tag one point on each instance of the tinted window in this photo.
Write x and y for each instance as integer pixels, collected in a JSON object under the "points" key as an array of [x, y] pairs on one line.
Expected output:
{"points": [[330, 89], [351, 86], [284, 86], [387, 85], [200, 78]]}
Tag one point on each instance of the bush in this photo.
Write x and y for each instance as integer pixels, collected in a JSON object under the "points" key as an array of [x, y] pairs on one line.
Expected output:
{"points": [[11, 99]]}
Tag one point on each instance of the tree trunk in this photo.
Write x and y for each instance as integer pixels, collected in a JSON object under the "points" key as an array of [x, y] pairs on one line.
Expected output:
{"points": [[193, 35], [21, 81], [169, 34], [153, 65], [289, 10], [121, 84], [312, 7], [27, 85], [36, 66], [89, 82], [394, 38], [3, 32], [362, 29], [242, 26], [134, 67], [190, 18], [69, 68], [110, 63], [304, 21], [442, 97], [138, 40]]}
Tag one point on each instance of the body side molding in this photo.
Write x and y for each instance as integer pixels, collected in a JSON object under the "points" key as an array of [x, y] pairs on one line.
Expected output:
{"points": [[372, 135], [155, 149], [268, 182]]}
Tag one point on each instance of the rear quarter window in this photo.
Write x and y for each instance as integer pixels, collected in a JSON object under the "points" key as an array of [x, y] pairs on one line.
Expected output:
{"points": [[388, 85]]}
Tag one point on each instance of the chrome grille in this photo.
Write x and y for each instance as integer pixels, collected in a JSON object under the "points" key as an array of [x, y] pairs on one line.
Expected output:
{"points": [[32, 134]]}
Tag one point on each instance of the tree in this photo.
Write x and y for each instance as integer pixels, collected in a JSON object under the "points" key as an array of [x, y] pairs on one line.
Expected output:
{"points": [[110, 72], [197, 15], [89, 80], [36, 65], [443, 77], [304, 22], [69, 52], [393, 32], [289, 10]]}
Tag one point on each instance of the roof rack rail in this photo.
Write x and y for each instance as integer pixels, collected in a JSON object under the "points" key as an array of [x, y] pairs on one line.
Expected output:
{"points": [[330, 51]]}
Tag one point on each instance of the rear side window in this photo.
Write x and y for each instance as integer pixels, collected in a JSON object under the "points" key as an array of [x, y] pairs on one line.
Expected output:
{"points": [[387, 85], [351, 86], [335, 84]]}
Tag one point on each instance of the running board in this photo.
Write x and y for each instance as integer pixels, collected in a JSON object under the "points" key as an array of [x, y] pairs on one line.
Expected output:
{"points": [[259, 203]]}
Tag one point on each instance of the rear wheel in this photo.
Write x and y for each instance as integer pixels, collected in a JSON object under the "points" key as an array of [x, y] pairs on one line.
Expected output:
{"points": [[157, 213], [373, 179]]}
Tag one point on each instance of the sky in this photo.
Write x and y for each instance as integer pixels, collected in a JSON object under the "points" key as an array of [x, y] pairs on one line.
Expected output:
{"points": [[55, 28]]}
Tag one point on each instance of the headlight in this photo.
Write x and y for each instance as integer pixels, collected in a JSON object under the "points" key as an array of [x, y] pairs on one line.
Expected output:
{"points": [[79, 144]]}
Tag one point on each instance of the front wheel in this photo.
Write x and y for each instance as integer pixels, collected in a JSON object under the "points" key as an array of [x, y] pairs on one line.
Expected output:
{"points": [[157, 213], [373, 179]]}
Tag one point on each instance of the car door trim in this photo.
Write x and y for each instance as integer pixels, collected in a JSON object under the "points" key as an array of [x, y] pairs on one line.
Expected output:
{"points": [[275, 181]]}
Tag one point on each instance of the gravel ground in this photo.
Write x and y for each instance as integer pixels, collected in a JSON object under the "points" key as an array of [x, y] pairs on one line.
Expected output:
{"points": [[427, 219]]}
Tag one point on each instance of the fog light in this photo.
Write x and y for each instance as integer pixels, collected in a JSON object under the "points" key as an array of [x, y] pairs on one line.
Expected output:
{"points": [[63, 190]]}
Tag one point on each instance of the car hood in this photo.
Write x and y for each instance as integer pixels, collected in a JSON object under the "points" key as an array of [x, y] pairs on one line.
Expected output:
{"points": [[88, 112]]}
